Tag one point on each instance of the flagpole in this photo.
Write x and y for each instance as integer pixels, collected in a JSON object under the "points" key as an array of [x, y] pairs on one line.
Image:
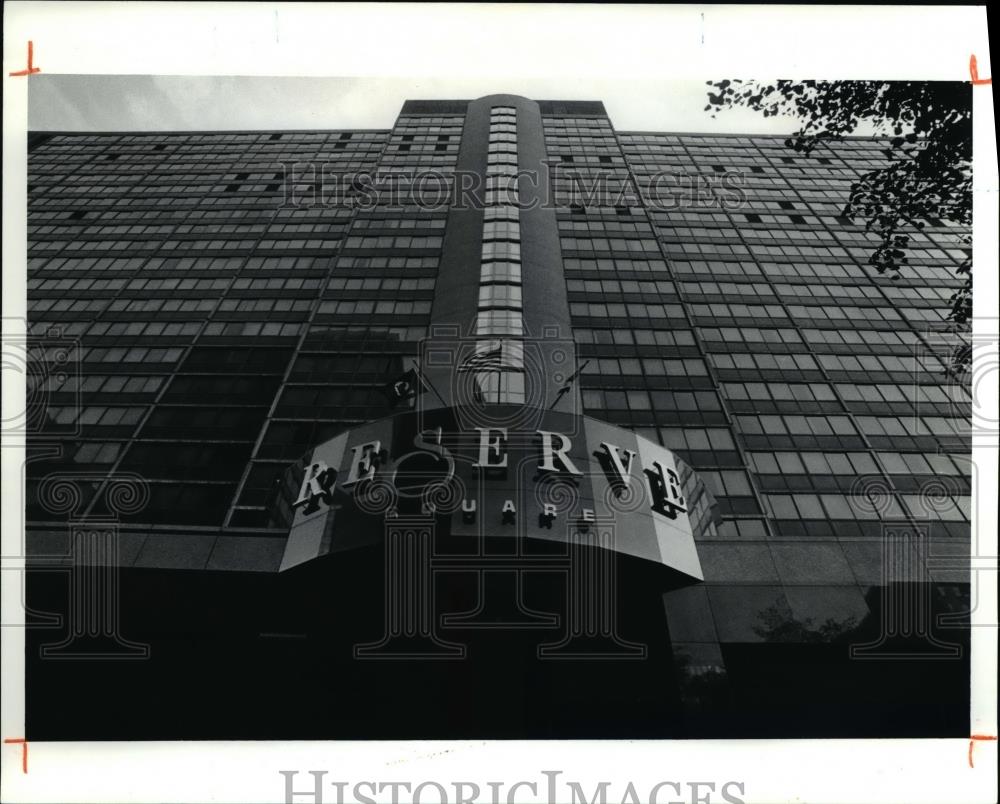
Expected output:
{"points": [[430, 385], [576, 373], [569, 384]]}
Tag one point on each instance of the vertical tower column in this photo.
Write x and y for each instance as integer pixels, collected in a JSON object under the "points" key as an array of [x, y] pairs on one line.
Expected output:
{"points": [[501, 273]]}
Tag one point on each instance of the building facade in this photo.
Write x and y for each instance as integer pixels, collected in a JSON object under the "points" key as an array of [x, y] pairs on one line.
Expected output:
{"points": [[680, 462]]}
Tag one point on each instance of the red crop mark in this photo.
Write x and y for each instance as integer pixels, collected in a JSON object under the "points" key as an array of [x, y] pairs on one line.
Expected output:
{"points": [[24, 751], [31, 62], [974, 72], [972, 742]]}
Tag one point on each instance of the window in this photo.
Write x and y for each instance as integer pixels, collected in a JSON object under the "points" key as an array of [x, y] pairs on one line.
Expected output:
{"points": [[500, 296]]}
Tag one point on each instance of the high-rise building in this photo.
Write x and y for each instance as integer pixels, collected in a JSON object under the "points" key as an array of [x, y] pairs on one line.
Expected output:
{"points": [[502, 423]]}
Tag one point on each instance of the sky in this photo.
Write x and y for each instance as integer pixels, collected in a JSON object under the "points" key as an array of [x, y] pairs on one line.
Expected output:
{"points": [[178, 103]]}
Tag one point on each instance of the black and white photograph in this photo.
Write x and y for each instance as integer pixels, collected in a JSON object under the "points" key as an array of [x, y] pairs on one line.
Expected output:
{"points": [[645, 411]]}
